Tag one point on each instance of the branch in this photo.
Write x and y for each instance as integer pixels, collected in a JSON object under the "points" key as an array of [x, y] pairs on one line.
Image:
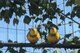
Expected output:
{"points": [[42, 45], [70, 18]]}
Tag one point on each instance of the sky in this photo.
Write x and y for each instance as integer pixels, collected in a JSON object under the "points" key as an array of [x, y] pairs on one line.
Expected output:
{"points": [[20, 34]]}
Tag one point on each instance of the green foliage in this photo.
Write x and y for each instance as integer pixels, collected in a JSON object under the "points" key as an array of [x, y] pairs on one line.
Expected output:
{"points": [[37, 19], [36, 7], [67, 35], [77, 2], [34, 10], [70, 2], [44, 51], [79, 26], [55, 51], [22, 50], [15, 21], [1, 51], [50, 24], [79, 51], [62, 17], [73, 41], [27, 20], [17, 7], [13, 8], [13, 49], [45, 16], [76, 40]]}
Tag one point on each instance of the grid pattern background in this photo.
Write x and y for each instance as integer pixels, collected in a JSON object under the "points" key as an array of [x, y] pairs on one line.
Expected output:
{"points": [[18, 32]]}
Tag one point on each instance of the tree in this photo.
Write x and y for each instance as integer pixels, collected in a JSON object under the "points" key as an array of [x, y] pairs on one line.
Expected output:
{"points": [[45, 8]]}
